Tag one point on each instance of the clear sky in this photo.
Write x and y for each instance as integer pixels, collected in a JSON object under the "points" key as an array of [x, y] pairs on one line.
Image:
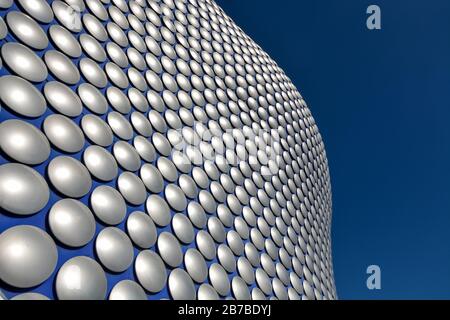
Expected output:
{"points": [[382, 103]]}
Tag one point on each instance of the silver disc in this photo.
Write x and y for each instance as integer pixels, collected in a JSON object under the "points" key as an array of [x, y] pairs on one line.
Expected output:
{"points": [[114, 249], [28, 256], [127, 290], [23, 142], [141, 229], [181, 286], [108, 205], [81, 278], [30, 296], [23, 191], [69, 176], [71, 222], [150, 271], [15, 54], [21, 96]]}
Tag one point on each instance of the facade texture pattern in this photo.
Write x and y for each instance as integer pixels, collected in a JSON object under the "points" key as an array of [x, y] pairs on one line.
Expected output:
{"points": [[151, 150]]}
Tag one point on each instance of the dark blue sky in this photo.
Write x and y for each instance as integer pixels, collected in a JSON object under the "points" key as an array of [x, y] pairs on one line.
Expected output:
{"points": [[382, 103]]}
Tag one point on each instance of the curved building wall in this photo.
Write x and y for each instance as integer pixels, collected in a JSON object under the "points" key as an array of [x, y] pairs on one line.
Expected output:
{"points": [[150, 150]]}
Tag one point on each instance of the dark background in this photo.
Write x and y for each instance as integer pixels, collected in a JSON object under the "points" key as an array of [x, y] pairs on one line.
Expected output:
{"points": [[381, 101]]}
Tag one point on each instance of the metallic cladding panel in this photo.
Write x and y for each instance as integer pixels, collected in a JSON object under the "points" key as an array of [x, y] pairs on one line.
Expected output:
{"points": [[151, 150]]}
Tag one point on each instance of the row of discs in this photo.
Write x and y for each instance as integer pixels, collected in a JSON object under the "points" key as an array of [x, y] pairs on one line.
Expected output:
{"points": [[121, 138]]}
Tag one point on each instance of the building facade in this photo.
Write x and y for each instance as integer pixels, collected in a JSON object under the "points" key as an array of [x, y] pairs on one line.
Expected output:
{"points": [[152, 150]]}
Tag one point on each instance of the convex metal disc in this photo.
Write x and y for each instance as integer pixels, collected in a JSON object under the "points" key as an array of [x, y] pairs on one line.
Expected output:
{"points": [[141, 229], [69, 176], [81, 278], [24, 62], [23, 191], [150, 271], [21, 96], [100, 163], [23, 142], [28, 256], [114, 249], [27, 30], [127, 290], [108, 205], [71, 222]]}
